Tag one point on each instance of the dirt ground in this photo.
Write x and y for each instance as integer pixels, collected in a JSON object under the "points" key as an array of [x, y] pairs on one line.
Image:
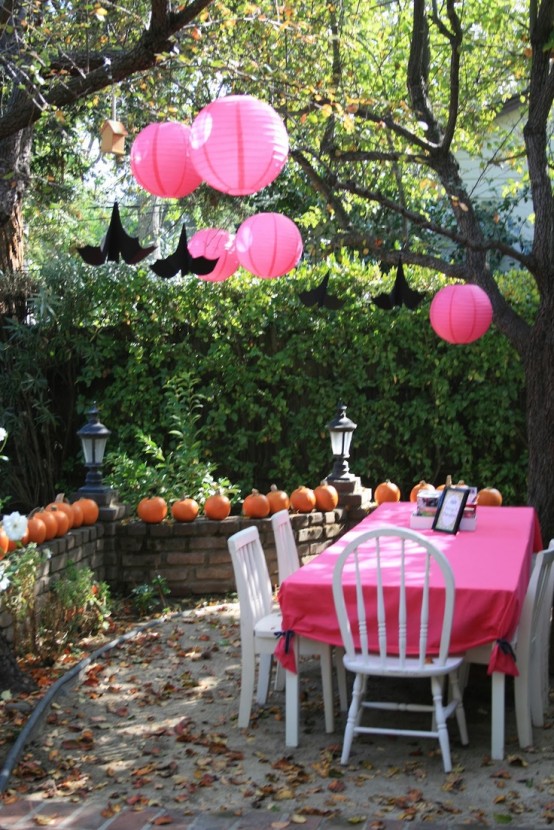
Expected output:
{"points": [[153, 721]]}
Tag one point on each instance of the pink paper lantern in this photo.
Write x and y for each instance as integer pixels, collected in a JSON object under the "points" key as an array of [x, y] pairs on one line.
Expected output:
{"points": [[268, 245], [214, 243], [460, 313], [161, 160], [239, 144]]}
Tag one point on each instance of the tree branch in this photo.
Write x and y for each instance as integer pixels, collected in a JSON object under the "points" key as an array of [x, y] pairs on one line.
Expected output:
{"points": [[143, 55]]}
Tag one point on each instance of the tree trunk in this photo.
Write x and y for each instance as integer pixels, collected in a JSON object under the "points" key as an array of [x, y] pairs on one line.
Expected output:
{"points": [[539, 371], [11, 676], [15, 155]]}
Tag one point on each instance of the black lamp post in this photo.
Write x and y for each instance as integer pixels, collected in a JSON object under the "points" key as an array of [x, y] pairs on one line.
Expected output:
{"points": [[94, 437], [340, 430]]}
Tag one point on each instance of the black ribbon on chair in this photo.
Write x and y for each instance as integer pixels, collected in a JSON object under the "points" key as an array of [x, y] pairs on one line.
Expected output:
{"points": [[503, 658], [284, 651], [506, 648], [288, 635]]}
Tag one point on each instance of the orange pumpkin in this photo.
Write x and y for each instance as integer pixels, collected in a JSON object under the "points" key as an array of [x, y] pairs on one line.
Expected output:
{"points": [[61, 518], [417, 487], [326, 496], [278, 499], [90, 509], [217, 506], [255, 505], [387, 491], [4, 542], [47, 516], [65, 507], [185, 510], [489, 497], [36, 529], [302, 499], [152, 509], [77, 514]]}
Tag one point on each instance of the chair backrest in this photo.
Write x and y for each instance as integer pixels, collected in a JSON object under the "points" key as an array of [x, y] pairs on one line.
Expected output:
{"points": [[361, 599], [285, 544], [251, 577], [537, 604]]}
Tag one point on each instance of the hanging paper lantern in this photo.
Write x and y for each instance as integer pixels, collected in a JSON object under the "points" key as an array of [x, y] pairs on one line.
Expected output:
{"points": [[214, 243], [460, 313], [161, 160], [268, 245], [239, 144]]}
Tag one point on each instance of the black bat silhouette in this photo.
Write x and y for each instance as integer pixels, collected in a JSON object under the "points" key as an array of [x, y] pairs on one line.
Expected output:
{"points": [[116, 241], [401, 293], [319, 296], [181, 260]]}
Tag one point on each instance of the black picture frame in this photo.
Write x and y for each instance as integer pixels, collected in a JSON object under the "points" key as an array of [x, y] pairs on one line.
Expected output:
{"points": [[450, 509]]}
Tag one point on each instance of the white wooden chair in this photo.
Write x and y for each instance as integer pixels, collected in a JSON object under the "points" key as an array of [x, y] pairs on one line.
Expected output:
{"points": [[288, 561], [377, 549], [540, 696], [259, 626], [531, 645]]}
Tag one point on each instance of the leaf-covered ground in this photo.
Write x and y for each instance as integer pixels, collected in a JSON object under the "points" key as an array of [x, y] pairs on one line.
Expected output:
{"points": [[153, 722]]}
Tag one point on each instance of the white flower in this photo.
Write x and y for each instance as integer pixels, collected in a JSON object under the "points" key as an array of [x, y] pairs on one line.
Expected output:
{"points": [[3, 434], [4, 580], [15, 526]]}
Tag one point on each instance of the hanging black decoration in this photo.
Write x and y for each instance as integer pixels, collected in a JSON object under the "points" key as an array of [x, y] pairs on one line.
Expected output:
{"points": [[319, 296], [401, 293], [181, 260], [116, 242]]}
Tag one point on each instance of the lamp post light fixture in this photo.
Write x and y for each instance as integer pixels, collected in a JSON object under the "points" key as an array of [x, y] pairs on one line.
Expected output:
{"points": [[94, 437], [340, 430]]}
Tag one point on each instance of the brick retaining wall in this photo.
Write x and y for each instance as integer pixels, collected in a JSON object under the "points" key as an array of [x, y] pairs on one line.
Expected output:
{"points": [[192, 557]]}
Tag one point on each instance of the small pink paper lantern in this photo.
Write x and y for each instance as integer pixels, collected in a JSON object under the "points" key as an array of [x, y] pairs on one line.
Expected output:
{"points": [[161, 160], [214, 243], [268, 245], [239, 144], [460, 313]]}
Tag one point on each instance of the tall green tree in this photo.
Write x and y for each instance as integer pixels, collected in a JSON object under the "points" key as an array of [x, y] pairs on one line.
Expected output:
{"points": [[385, 104]]}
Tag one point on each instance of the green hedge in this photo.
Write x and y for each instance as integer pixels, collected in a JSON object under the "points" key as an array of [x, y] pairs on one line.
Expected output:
{"points": [[269, 373]]}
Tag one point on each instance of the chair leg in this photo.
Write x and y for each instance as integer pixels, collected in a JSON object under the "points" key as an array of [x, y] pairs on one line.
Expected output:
{"points": [[338, 654], [498, 707], [463, 675], [440, 720], [292, 700], [279, 683], [247, 683], [523, 710], [264, 674], [327, 686], [537, 705], [353, 718], [456, 694]]}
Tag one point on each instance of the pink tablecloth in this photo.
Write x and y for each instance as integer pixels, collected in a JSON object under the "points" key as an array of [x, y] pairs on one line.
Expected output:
{"points": [[491, 568]]}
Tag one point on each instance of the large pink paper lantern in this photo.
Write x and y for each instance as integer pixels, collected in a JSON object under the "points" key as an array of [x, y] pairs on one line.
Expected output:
{"points": [[215, 243], [239, 144], [461, 313], [161, 160], [268, 245]]}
